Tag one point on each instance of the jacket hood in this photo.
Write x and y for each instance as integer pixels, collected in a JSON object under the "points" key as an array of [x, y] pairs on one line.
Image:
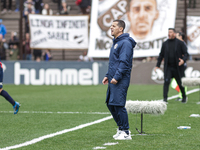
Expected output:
{"points": [[125, 36]]}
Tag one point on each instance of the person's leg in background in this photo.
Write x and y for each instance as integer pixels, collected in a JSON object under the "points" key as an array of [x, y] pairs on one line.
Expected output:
{"points": [[17, 5], [10, 5], [166, 83], [4, 7], [5, 94]]}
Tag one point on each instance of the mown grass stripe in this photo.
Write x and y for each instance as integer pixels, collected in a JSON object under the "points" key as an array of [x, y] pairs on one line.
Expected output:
{"points": [[55, 134]]}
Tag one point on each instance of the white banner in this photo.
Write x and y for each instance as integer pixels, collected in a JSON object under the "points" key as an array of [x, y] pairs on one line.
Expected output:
{"points": [[147, 21], [193, 34], [58, 32]]}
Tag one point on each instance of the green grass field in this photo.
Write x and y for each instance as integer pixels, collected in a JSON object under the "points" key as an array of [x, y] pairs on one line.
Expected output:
{"points": [[38, 117]]}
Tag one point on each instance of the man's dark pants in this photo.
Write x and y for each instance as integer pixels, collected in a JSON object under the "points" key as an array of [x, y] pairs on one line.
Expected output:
{"points": [[120, 116], [172, 72]]}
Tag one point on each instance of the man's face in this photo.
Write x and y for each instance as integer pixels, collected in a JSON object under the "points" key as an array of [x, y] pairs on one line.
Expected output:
{"points": [[171, 34], [115, 29], [141, 16]]}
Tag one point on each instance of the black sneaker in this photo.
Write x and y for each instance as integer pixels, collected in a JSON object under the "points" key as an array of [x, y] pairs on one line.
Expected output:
{"points": [[184, 100]]}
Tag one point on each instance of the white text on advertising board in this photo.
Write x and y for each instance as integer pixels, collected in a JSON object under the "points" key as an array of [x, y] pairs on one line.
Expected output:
{"points": [[55, 76]]}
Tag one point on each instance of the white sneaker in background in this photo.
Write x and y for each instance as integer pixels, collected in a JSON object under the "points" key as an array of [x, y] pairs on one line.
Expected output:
{"points": [[123, 136]]}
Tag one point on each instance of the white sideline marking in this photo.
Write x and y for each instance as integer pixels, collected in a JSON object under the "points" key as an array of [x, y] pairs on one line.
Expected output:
{"points": [[111, 143], [188, 92], [55, 134], [48, 112], [98, 147]]}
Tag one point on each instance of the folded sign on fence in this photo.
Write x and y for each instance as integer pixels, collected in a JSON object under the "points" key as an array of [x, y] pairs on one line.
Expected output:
{"points": [[58, 32]]}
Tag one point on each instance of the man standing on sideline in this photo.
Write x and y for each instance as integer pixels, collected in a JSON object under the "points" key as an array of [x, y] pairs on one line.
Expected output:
{"points": [[118, 78], [175, 55], [180, 36]]}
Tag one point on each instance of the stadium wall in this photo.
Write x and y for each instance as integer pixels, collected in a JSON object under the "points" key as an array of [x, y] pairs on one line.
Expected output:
{"points": [[81, 73]]}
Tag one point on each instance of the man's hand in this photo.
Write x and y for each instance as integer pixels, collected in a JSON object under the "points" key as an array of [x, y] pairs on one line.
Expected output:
{"points": [[181, 61], [105, 80], [156, 68], [113, 81]]}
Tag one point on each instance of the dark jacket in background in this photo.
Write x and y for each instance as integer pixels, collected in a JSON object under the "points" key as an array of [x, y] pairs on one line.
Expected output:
{"points": [[85, 3], [2, 51], [180, 52]]}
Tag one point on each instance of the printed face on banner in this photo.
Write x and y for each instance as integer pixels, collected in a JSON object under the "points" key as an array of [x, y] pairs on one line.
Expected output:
{"points": [[193, 34], [147, 22], [142, 14]]}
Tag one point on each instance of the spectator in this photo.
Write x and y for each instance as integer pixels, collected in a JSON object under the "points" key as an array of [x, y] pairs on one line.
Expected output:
{"points": [[46, 10], [29, 9], [84, 57], [17, 5], [29, 2], [26, 48], [13, 40], [14, 52], [2, 48], [47, 55], [38, 6], [59, 5], [4, 6], [85, 6], [192, 2], [3, 30], [64, 8], [37, 55]]}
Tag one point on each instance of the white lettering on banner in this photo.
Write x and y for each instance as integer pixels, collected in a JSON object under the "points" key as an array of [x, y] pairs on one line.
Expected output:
{"points": [[39, 81], [69, 76], [115, 13], [122, 6], [85, 76], [95, 68], [53, 76], [56, 76], [158, 75], [189, 73], [18, 72]]}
